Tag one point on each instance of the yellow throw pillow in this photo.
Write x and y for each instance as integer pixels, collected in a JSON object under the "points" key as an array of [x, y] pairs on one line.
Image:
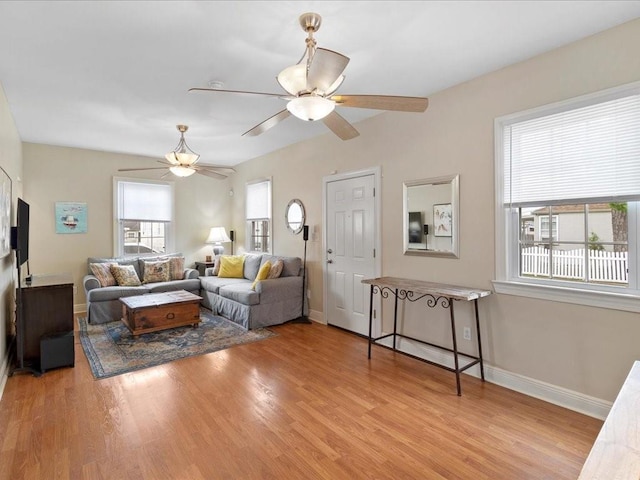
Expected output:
{"points": [[231, 266], [263, 273]]}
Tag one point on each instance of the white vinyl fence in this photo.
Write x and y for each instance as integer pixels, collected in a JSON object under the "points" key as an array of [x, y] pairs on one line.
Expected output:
{"points": [[570, 264]]}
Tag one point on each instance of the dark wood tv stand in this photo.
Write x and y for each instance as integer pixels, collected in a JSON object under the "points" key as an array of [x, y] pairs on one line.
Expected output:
{"points": [[44, 323]]}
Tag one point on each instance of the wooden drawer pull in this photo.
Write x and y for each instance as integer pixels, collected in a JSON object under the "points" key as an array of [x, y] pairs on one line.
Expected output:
{"points": [[171, 316]]}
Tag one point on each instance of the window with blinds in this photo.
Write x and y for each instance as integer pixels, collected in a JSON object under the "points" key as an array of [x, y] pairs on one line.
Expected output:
{"points": [[144, 216], [258, 216], [567, 192]]}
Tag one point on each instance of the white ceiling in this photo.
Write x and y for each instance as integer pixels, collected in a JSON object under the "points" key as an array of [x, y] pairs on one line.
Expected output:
{"points": [[114, 76]]}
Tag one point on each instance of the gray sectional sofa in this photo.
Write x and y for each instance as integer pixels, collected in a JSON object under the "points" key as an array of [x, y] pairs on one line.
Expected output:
{"points": [[272, 302], [103, 303]]}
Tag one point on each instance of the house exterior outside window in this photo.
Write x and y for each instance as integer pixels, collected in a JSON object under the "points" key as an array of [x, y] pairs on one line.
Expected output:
{"points": [[258, 216], [144, 217], [567, 196]]}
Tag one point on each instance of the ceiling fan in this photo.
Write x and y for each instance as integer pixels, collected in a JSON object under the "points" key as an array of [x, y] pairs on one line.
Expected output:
{"points": [[311, 85], [181, 161]]}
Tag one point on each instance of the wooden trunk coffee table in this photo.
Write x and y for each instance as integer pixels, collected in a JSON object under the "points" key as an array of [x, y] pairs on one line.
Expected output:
{"points": [[160, 311]]}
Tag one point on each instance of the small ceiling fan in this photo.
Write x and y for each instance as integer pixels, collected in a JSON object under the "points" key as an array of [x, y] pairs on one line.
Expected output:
{"points": [[311, 85], [181, 161]]}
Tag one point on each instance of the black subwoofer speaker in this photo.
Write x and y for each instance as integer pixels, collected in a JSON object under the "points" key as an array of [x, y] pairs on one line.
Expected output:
{"points": [[57, 351]]}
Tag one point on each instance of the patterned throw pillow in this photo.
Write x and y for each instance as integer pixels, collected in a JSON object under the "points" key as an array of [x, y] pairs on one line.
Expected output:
{"points": [[102, 272], [176, 268], [156, 272], [276, 269], [231, 266], [263, 274], [216, 265], [125, 275]]}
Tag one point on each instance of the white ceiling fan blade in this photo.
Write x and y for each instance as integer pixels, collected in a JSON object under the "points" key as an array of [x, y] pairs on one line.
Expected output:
{"points": [[267, 124], [139, 169], [279, 95], [338, 125], [326, 67], [209, 173], [220, 168], [382, 102]]}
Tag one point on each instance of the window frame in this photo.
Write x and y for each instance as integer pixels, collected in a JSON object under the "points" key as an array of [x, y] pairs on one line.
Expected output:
{"points": [[250, 222], [507, 262], [119, 240]]}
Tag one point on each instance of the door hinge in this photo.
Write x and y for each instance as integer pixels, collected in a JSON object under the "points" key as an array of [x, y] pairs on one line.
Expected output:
{"points": [[374, 314], [374, 191], [374, 253]]}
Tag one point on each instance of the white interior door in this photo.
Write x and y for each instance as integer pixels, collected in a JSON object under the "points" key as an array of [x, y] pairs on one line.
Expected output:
{"points": [[350, 241]]}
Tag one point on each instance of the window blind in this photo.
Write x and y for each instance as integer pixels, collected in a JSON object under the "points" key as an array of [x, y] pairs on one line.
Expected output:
{"points": [[145, 201], [258, 200], [587, 154]]}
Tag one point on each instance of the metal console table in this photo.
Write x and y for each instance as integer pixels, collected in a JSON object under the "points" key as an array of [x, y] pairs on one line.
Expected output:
{"points": [[435, 294]]}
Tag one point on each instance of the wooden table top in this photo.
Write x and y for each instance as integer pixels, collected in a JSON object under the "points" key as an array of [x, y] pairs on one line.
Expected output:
{"points": [[430, 288], [159, 299]]}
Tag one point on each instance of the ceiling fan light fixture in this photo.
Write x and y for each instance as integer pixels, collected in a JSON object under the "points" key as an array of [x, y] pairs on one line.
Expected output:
{"points": [[182, 154], [180, 171], [310, 108], [294, 78]]}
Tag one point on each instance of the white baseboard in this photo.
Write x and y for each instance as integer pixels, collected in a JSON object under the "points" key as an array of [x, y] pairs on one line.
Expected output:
{"points": [[578, 402], [317, 316], [4, 372]]}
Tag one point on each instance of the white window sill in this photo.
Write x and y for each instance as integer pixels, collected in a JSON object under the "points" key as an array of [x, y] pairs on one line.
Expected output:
{"points": [[593, 298]]}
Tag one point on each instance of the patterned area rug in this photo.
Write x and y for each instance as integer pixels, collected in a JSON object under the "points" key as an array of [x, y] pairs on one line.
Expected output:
{"points": [[112, 350]]}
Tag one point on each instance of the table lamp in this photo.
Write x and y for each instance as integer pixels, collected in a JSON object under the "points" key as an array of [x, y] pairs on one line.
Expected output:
{"points": [[218, 236]]}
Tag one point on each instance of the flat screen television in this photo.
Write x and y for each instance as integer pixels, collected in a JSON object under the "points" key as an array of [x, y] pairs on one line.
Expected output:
{"points": [[20, 233]]}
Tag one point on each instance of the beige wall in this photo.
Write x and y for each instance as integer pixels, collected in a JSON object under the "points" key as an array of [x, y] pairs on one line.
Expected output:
{"points": [[57, 174], [585, 349], [11, 162]]}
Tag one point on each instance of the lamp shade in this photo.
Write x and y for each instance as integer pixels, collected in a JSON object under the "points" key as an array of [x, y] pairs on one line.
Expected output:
{"points": [[218, 235], [181, 171], [311, 108], [294, 79]]}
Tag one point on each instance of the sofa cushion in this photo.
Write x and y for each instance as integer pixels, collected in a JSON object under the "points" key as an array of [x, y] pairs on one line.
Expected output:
{"points": [[213, 284], [176, 268], [125, 275], [241, 293], [156, 258], [276, 269], [263, 274], [156, 271], [120, 261], [252, 263], [231, 266], [114, 293], [188, 284], [291, 266], [102, 271]]}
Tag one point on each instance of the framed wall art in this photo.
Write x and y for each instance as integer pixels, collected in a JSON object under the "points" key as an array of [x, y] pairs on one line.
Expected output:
{"points": [[442, 220], [71, 217]]}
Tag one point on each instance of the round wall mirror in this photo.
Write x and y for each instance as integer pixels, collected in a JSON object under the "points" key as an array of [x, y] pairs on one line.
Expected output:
{"points": [[294, 216]]}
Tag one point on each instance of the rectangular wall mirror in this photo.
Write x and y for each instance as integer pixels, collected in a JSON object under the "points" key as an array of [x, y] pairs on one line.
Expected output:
{"points": [[431, 216]]}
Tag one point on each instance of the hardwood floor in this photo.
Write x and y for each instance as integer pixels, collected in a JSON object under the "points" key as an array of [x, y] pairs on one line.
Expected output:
{"points": [[306, 404]]}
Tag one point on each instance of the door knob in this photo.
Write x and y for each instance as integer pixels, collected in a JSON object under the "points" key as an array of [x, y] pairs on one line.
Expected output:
{"points": [[329, 251], [329, 261]]}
